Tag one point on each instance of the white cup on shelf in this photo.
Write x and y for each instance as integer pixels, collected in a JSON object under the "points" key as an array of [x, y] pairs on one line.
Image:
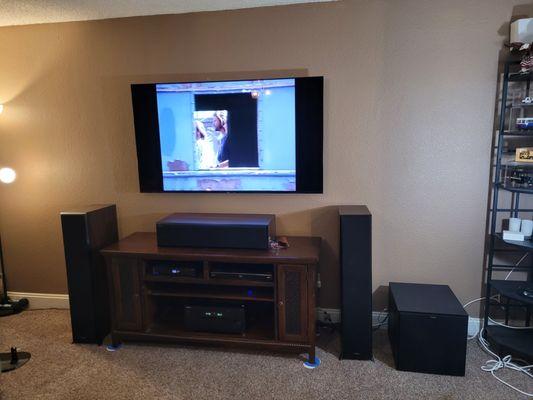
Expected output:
{"points": [[514, 224], [527, 227]]}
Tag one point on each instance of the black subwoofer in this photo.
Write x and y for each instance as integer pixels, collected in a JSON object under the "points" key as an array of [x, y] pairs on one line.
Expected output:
{"points": [[427, 329], [85, 232], [356, 282]]}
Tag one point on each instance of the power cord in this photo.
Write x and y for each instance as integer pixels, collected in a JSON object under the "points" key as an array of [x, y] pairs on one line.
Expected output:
{"points": [[383, 321], [517, 264], [498, 362], [495, 297], [502, 362]]}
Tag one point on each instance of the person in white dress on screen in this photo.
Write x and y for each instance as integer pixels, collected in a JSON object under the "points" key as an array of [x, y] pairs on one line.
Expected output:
{"points": [[205, 147]]}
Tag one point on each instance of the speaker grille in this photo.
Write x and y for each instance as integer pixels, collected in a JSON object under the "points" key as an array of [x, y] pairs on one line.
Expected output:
{"points": [[127, 287], [293, 306]]}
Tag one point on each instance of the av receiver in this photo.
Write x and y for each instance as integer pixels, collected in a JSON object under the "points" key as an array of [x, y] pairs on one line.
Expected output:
{"points": [[220, 319]]}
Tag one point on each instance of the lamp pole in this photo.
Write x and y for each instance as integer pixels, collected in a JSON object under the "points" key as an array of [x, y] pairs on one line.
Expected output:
{"points": [[7, 176], [4, 299], [14, 359], [8, 307]]}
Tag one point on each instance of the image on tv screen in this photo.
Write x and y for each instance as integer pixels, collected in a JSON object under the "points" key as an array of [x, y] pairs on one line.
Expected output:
{"points": [[228, 136]]}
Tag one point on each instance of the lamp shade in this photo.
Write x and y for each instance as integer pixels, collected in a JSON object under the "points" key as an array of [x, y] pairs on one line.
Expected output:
{"points": [[7, 175]]}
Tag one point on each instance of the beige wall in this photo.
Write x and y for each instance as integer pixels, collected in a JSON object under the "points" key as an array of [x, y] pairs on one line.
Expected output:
{"points": [[409, 99]]}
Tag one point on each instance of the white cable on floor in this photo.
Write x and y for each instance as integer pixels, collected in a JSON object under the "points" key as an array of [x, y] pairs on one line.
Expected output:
{"points": [[383, 321], [501, 363]]}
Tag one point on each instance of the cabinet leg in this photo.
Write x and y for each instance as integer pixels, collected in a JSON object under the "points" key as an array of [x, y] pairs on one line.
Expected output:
{"points": [[115, 344], [312, 355], [313, 360]]}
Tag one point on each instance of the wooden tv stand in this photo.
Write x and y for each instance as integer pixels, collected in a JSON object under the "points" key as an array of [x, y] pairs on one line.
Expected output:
{"points": [[146, 307]]}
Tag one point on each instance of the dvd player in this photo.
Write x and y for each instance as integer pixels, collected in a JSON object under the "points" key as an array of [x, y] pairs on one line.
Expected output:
{"points": [[243, 276]]}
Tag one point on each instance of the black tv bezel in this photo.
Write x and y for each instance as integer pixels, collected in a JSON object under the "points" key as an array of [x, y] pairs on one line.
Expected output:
{"points": [[309, 93]]}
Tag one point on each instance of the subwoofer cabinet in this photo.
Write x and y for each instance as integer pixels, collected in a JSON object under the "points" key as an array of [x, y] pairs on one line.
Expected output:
{"points": [[356, 282], [277, 314], [86, 231], [427, 329]]}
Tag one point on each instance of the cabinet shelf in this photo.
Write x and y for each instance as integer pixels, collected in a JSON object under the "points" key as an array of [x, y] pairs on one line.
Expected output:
{"points": [[512, 290], [260, 324], [517, 342], [210, 281], [519, 105], [519, 77], [527, 245], [519, 132], [514, 190], [516, 164], [224, 293], [177, 331]]}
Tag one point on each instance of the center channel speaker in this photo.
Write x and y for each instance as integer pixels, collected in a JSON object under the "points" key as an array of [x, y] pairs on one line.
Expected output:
{"points": [[228, 231], [356, 282]]}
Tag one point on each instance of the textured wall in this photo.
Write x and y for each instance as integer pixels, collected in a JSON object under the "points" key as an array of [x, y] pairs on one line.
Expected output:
{"points": [[409, 99]]}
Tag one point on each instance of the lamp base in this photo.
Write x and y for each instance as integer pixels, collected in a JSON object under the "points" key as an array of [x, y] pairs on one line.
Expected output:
{"points": [[13, 360], [10, 307]]}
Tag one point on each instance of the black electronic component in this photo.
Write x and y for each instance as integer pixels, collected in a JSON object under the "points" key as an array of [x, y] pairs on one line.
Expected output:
{"points": [[174, 269], [427, 329], [244, 276], [356, 282], [308, 136], [239, 231], [219, 319], [85, 232]]}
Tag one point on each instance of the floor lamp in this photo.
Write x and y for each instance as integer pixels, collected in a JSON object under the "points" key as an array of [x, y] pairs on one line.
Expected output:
{"points": [[14, 359]]}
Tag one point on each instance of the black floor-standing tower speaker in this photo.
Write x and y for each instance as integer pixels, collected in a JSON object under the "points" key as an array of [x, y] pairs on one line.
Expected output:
{"points": [[356, 282], [85, 232]]}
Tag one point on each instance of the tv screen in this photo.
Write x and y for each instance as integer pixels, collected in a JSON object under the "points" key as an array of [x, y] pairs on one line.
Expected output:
{"points": [[230, 136]]}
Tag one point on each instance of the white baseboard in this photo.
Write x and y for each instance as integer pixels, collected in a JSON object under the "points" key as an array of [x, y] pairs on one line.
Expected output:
{"points": [[40, 301], [474, 325], [333, 315]]}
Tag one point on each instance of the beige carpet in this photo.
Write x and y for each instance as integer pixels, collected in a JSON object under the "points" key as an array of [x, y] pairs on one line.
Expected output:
{"points": [[61, 370]]}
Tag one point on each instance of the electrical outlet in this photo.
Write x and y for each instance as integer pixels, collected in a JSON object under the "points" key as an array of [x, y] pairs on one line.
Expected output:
{"points": [[327, 318]]}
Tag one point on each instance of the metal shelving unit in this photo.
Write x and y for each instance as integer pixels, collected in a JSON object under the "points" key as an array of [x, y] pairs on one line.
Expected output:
{"points": [[506, 257]]}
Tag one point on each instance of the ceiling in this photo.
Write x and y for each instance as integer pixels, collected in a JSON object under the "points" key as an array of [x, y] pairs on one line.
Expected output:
{"points": [[23, 12]]}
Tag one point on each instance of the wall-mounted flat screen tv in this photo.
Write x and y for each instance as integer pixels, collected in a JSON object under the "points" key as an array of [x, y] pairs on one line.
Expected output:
{"points": [[261, 135]]}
